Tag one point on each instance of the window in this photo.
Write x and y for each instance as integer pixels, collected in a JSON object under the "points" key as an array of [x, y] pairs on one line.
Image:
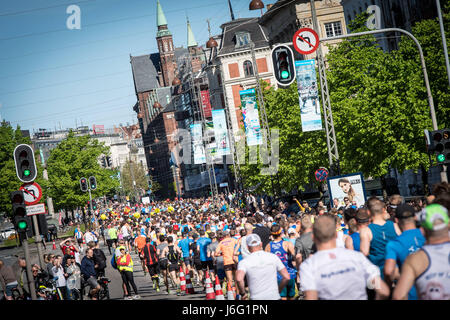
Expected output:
{"points": [[242, 39], [248, 68], [165, 47], [333, 29]]}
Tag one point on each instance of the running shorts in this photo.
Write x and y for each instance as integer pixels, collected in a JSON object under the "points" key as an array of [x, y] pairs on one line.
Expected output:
{"points": [[163, 264], [229, 267], [92, 282], [187, 261], [153, 269], [198, 264], [207, 264], [174, 267], [288, 290]]}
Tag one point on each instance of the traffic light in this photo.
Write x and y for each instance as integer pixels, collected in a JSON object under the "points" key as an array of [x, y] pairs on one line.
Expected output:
{"points": [[92, 183], [440, 145], [22, 223], [25, 165], [94, 205], [283, 64], [109, 161], [104, 162], [83, 184]]}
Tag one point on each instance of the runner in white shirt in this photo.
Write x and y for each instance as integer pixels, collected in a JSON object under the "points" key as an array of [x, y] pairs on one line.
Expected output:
{"points": [[261, 268], [337, 273]]}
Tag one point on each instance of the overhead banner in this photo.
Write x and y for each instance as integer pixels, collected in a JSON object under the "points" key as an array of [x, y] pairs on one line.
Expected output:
{"points": [[251, 117], [206, 103], [199, 150], [308, 95], [221, 132]]}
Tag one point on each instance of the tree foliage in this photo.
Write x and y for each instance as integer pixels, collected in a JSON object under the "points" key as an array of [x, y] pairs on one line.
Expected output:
{"points": [[136, 170], [76, 157]]}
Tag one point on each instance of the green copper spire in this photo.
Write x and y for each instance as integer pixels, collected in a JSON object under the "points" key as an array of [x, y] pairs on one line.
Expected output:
{"points": [[190, 36], [161, 18], [161, 22]]}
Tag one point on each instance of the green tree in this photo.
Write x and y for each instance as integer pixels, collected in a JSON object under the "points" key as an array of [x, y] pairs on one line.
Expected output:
{"points": [[73, 158], [9, 182], [132, 170]]}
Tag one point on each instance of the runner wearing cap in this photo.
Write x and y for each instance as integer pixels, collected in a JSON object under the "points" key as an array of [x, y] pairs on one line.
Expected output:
{"points": [[260, 268], [407, 243], [337, 273], [428, 268]]}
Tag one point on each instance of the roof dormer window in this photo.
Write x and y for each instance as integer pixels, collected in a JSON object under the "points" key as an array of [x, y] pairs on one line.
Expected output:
{"points": [[242, 39]]}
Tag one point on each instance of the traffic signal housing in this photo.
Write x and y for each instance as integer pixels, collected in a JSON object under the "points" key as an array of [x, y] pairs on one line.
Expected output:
{"points": [[104, 162], [440, 145], [108, 161], [22, 222], [283, 64], [83, 184], [92, 183], [25, 164]]}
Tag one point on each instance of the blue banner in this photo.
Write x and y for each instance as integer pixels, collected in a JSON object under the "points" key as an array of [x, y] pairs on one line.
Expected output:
{"points": [[251, 117]]}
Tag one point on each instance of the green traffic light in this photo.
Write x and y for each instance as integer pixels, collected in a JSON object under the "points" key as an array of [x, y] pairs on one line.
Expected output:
{"points": [[22, 225], [26, 172], [440, 158], [285, 74]]}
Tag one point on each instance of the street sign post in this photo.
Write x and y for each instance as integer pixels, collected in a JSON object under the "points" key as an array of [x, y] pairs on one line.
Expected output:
{"points": [[32, 193], [305, 41]]}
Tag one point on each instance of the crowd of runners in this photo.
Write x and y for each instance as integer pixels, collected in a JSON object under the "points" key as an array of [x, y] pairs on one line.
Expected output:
{"points": [[261, 250]]}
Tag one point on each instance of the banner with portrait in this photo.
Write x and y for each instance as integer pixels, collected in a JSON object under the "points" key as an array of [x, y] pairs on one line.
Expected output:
{"points": [[221, 132], [347, 190], [251, 117], [308, 95], [197, 143]]}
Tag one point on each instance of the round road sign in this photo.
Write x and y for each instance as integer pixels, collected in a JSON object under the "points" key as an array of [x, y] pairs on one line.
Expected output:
{"points": [[305, 41], [32, 193], [321, 174]]}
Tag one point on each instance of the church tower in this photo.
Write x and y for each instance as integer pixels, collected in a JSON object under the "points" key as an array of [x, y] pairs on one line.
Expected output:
{"points": [[195, 52], [166, 48]]}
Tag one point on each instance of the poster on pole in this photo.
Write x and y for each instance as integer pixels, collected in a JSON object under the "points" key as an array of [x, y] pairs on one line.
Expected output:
{"points": [[251, 117], [308, 95], [206, 103], [348, 187], [221, 132], [197, 142]]}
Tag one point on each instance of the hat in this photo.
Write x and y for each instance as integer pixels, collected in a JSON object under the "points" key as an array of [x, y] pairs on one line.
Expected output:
{"points": [[430, 214], [253, 240], [404, 211]]}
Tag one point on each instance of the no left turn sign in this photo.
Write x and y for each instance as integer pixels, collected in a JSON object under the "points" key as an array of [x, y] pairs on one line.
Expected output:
{"points": [[305, 41]]}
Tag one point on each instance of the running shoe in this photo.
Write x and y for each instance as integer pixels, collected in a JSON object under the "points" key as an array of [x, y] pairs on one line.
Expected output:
{"points": [[136, 297], [128, 298]]}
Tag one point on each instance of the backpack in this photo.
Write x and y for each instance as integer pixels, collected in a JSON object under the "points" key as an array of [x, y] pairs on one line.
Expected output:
{"points": [[113, 261], [172, 256]]}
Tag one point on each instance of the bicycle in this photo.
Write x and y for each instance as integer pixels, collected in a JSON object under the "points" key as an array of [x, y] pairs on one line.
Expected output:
{"points": [[103, 294]]}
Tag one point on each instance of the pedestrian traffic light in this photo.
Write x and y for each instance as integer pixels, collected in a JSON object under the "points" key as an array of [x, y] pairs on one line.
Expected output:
{"points": [[22, 223], [25, 164], [92, 183], [83, 184], [440, 140], [283, 64]]}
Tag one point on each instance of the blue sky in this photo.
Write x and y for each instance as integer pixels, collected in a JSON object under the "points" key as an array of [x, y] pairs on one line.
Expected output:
{"points": [[52, 77]]}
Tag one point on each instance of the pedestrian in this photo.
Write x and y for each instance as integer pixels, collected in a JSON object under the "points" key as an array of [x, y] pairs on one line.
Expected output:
{"points": [[337, 273], [260, 269], [99, 259], [428, 268], [163, 261], [89, 274], [362, 221], [139, 243], [173, 254], [73, 281], [8, 280], [202, 248], [58, 272], [125, 266], [226, 250], [152, 263]]}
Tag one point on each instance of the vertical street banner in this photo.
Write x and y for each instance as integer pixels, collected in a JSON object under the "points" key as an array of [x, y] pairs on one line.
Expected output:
{"points": [[251, 117], [206, 103], [197, 142], [221, 132], [308, 95]]}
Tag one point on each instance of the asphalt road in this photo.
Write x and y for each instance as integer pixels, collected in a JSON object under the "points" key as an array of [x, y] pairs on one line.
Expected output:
{"points": [[143, 283]]}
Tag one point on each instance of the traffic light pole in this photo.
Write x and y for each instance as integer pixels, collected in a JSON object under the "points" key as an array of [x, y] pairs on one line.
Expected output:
{"points": [[28, 267], [37, 240]]}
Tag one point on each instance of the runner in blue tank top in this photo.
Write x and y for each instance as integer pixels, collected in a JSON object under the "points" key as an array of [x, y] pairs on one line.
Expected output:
{"points": [[375, 238], [285, 251], [407, 243]]}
